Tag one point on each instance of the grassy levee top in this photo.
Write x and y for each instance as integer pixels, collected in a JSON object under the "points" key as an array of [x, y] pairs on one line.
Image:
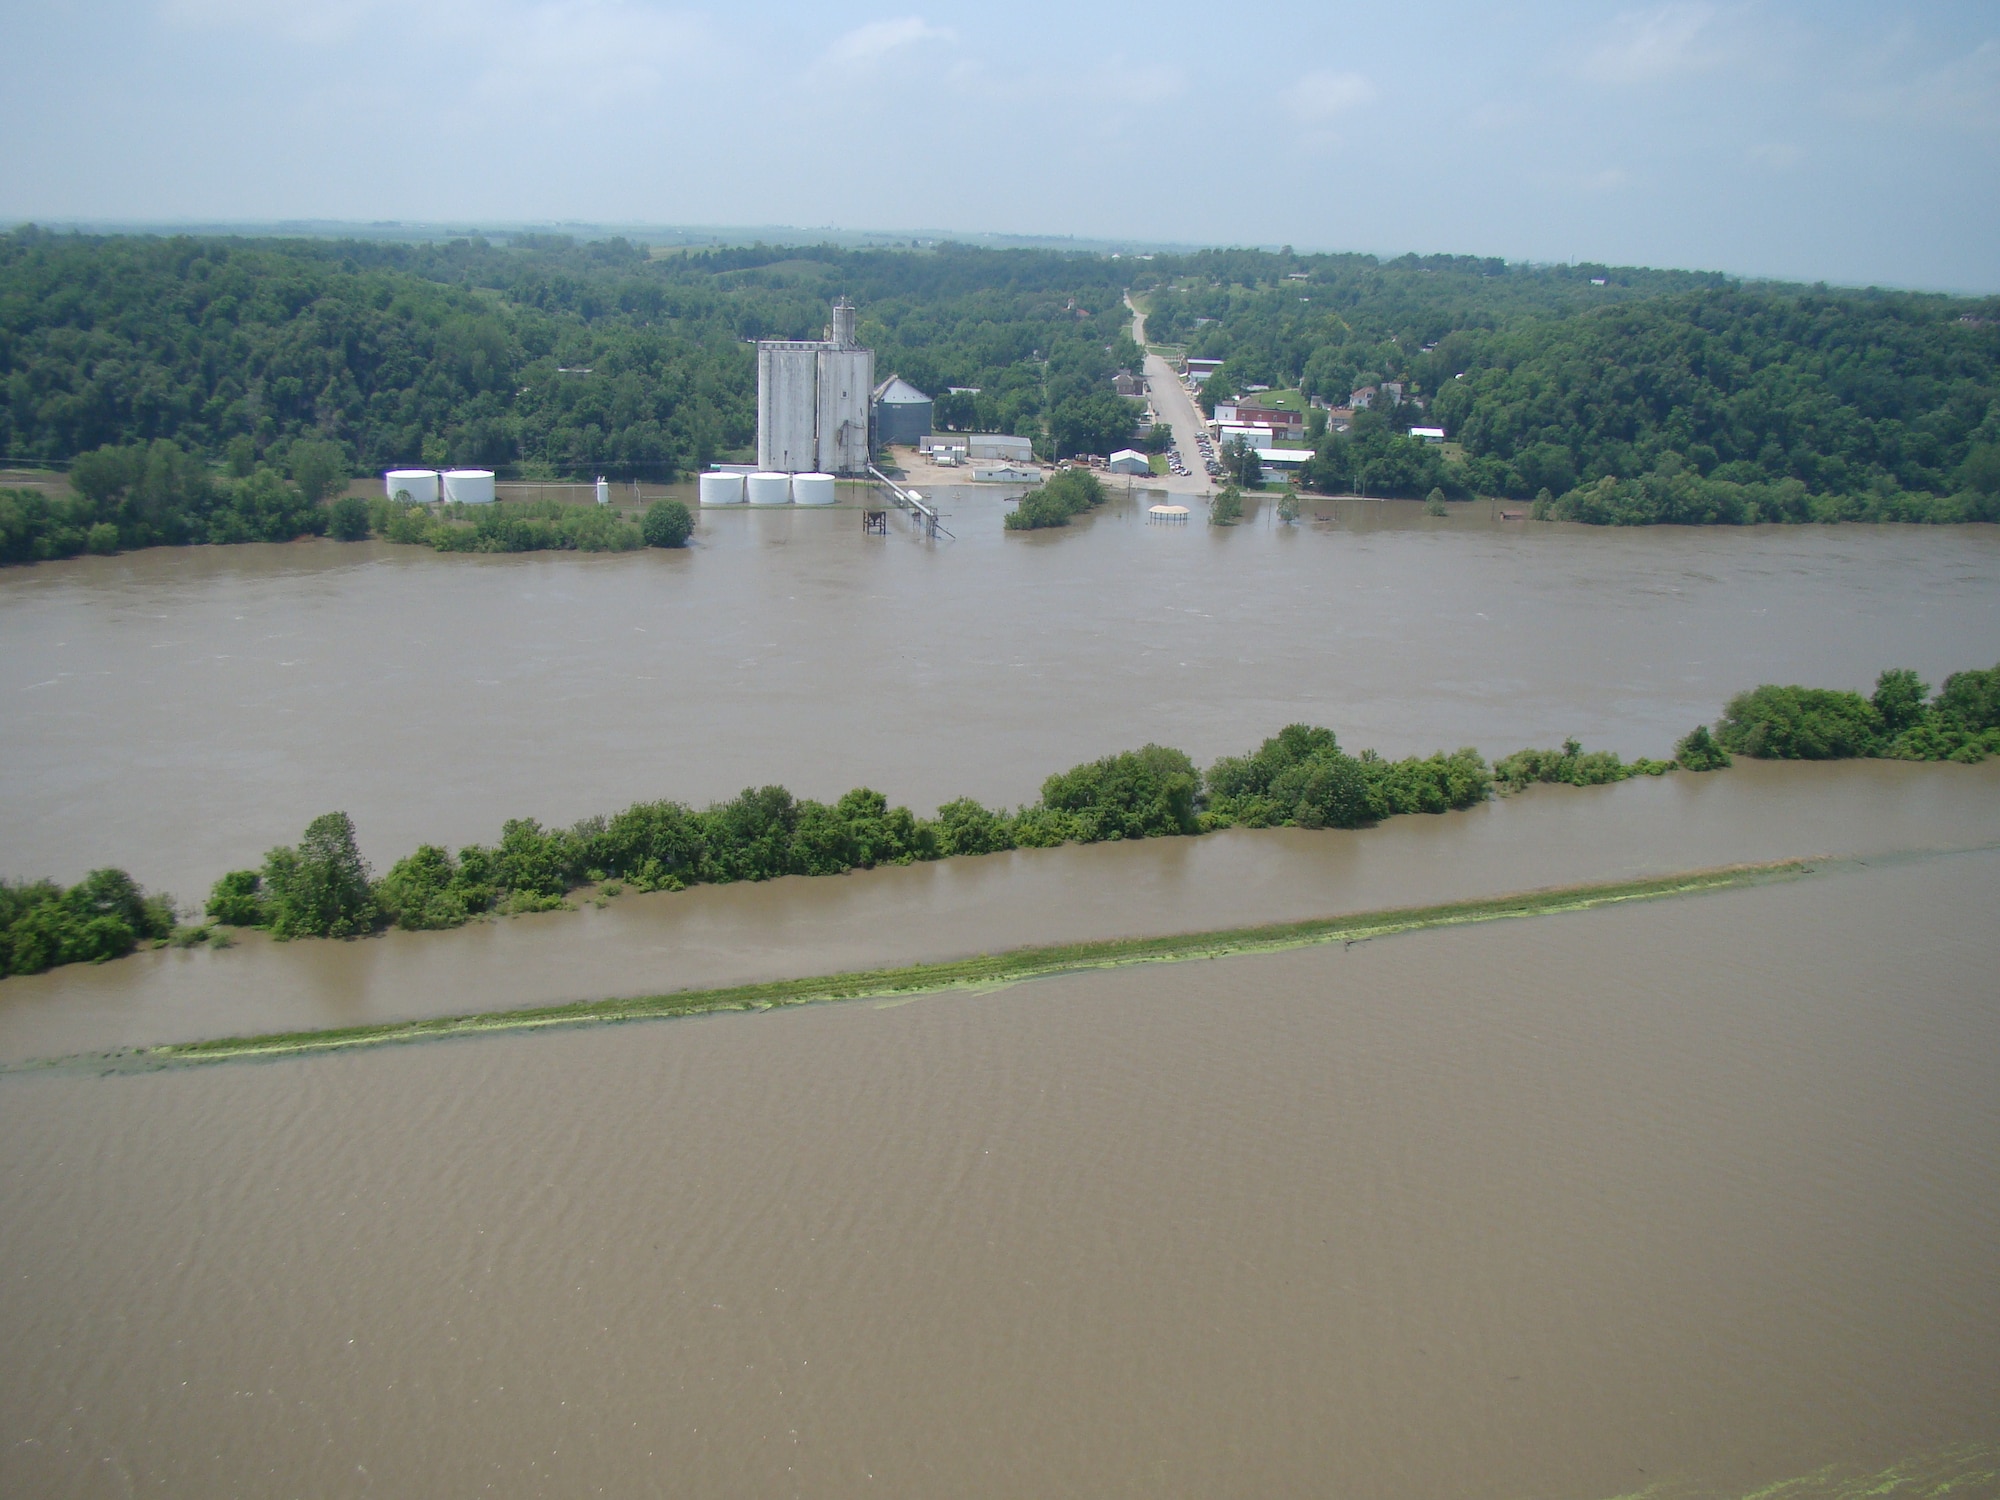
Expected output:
{"points": [[981, 972]]}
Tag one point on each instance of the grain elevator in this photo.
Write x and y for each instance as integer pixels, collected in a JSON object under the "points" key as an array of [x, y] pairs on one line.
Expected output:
{"points": [[812, 401]]}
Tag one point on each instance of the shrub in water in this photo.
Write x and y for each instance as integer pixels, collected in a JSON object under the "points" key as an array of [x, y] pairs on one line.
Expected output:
{"points": [[667, 524]]}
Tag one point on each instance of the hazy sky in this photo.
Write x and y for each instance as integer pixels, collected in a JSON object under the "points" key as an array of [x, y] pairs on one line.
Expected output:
{"points": [[1844, 141]]}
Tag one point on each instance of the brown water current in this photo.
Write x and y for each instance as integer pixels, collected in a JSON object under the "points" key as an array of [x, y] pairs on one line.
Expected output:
{"points": [[1682, 1198], [179, 711], [1697, 1197]]}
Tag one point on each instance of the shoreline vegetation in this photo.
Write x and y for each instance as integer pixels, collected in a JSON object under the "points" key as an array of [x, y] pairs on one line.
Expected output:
{"points": [[981, 973], [156, 495], [1299, 778]]}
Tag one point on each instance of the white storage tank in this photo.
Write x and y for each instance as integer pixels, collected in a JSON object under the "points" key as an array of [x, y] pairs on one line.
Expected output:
{"points": [[721, 489], [769, 489], [469, 486], [812, 489], [421, 485], [603, 490]]}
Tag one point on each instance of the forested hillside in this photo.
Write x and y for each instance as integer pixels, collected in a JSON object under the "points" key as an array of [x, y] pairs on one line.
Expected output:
{"points": [[1626, 395], [541, 356]]}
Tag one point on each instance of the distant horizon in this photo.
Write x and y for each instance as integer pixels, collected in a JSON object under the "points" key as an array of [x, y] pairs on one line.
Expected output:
{"points": [[778, 236], [1805, 141]]}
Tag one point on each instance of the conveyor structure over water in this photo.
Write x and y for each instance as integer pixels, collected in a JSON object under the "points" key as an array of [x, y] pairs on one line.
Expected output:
{"points": [[928, 520]]}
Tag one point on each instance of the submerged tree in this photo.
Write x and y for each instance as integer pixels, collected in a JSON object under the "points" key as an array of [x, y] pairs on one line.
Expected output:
{"points": [[321, 888]]}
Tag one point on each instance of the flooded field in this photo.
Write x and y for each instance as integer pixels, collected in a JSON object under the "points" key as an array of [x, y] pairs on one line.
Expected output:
{"points": [[177, 712], [1681, 1199]]}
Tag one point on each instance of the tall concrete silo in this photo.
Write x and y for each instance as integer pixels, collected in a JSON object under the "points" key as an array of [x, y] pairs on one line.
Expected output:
{"points": [[812, 400], [846, 381], [787, 405]]}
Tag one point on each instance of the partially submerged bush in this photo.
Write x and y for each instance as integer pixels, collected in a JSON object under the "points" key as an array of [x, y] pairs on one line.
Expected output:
{"points": [[237, 899], [1697, 751], [667, 524], [1070, 492], [347, 519], [1300, 777], [1139, 794], [1571, 766]]}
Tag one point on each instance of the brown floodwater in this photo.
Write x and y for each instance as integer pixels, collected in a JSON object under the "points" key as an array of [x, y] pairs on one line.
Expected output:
{"points": [[179, 711], [1689, 1198], [1686, 1198]]}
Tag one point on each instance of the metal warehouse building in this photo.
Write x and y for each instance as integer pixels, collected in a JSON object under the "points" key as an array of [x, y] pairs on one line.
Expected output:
{"points": [[902, 413]]}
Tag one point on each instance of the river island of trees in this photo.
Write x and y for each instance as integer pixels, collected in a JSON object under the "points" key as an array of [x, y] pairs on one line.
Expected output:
{"points": [[1298, 778]]}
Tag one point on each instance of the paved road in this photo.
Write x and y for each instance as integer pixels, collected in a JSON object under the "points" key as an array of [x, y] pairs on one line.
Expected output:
{"points": [[1173, 405]]}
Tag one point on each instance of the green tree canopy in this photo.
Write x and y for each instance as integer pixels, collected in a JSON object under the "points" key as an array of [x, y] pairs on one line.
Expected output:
{"points": [[321, 888]]}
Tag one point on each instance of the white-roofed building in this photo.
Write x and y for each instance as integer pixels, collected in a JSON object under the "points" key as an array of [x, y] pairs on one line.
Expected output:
{"points": [[1257, 435]]}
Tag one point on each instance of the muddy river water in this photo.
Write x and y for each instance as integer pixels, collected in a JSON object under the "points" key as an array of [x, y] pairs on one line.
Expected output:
{"points": [[177, 712], [1689, 1198]]}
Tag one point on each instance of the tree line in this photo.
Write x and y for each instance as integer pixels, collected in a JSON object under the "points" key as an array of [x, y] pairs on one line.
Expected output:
{"points": [[322, 887], [1298, 778], [156, 494], [522, 526]]}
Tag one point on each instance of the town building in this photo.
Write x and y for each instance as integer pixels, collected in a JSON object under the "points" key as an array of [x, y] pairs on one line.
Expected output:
{"points": [[1130, 461], [999, 445], [1388, 393], [1282, 420], [1257, 435]]}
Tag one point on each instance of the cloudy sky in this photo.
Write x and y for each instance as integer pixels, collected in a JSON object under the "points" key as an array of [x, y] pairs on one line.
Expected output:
{"points": [[1841, 141]]}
